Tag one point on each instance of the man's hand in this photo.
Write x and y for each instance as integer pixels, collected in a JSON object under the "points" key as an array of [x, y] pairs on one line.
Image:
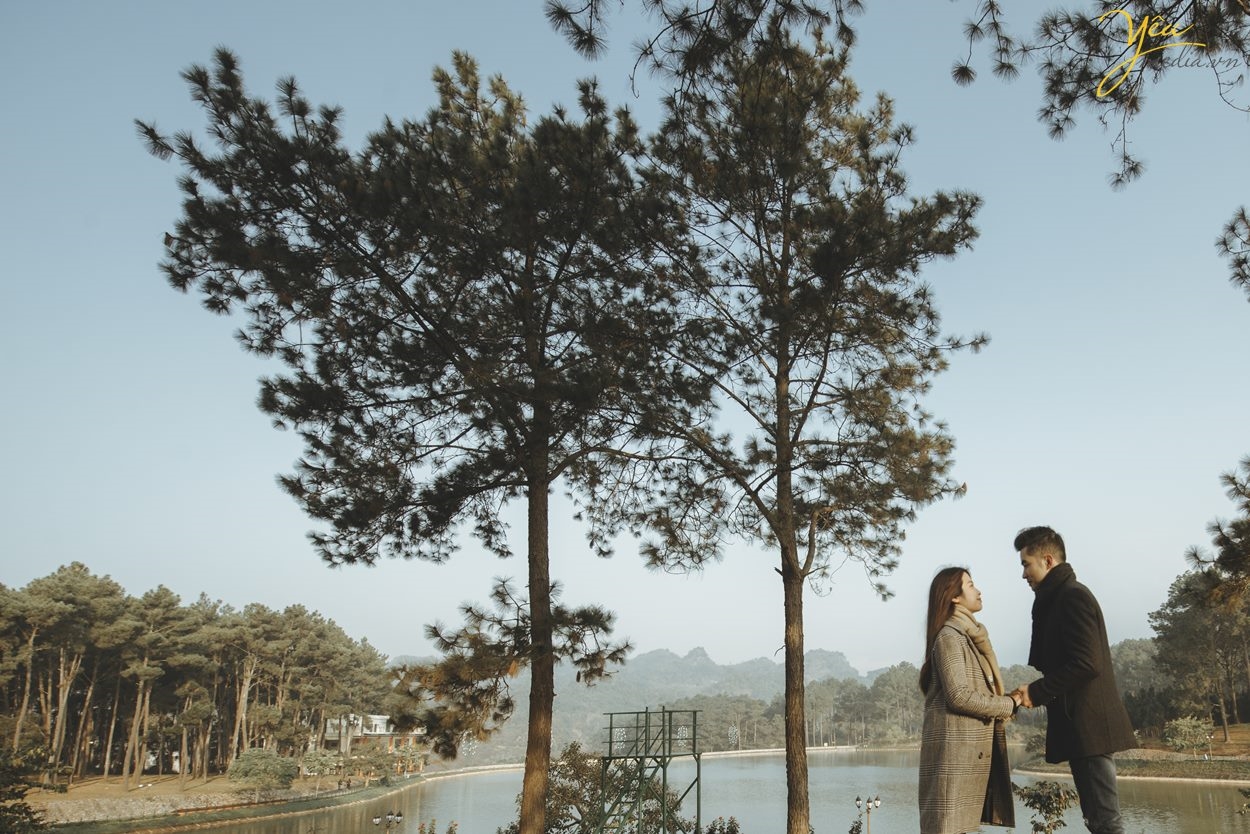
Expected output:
{"points": [[1021, 697]]}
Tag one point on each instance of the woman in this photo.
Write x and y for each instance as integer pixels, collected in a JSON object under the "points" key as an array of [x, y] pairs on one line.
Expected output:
{"points": [[964, 711]]}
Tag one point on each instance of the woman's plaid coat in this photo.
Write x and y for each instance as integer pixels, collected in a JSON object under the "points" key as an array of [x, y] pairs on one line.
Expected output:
{"points": [[960, 712]]}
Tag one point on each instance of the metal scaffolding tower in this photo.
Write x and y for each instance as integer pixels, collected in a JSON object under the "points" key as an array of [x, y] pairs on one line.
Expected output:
{"points": [[635, 772]]}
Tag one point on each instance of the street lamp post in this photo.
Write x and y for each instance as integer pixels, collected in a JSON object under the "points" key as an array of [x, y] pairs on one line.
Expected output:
{"points": [[392, 819], [867, 806]]}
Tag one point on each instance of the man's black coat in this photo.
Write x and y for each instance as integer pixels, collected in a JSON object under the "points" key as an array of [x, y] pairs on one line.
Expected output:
{"points": [[1084, 713]]}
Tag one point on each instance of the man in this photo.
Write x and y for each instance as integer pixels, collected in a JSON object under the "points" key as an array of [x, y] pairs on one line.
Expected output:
{"points": [[1085, 719]]}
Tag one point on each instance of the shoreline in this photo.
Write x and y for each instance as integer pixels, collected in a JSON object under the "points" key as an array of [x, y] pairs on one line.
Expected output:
{"points": [[193, 819], [1061, 772], [1067, 775]]}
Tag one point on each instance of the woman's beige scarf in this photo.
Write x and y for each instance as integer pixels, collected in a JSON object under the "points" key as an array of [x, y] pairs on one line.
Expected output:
{"points": [[962, 620]]}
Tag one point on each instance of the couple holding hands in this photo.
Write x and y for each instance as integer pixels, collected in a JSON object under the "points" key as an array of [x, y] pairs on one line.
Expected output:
{"points": [[965, 779]]}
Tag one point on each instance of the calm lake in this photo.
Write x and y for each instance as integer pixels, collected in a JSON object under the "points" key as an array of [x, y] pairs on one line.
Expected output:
{"points": [[752, 788]]}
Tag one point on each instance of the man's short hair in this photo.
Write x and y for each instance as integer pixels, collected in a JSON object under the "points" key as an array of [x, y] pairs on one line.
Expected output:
{"points": [[1041, 541]]}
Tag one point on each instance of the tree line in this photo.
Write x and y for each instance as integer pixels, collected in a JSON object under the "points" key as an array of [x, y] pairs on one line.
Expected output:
{"points": [[1203, 628], [101, 682], [1194, 673], [105, 683], [841, 712]]}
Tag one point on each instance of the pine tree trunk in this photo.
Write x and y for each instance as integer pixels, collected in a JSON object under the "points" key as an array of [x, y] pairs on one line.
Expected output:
{"points": [[43, 698], [201, 752], [141, 759], [24, 708], [132, 738], [793, 579], [112, 732], [798, 809], [80, 732], [542, 663], [240, 713], [183, 760], [213, 728], [1220, 701], [67, 671]]}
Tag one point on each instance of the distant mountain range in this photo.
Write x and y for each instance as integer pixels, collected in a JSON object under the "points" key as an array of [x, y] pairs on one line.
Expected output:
{"points": [[647, 681]]}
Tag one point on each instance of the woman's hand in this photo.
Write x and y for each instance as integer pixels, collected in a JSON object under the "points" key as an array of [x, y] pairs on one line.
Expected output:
{"points": [[1021, 696]]}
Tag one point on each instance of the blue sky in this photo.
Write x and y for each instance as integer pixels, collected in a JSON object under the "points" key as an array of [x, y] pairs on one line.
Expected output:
{"points": [[1111, 397]]}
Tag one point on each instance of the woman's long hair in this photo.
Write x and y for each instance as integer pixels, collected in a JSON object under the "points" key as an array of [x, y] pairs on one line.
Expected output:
{"points": [[947, 585]]}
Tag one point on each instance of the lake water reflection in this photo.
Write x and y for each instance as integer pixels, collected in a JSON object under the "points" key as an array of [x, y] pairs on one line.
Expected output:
{"points": [[752, 789]]}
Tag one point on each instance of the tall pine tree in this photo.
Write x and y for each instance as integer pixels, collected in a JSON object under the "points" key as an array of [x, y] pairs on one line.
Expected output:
{"points": [[462, 307], [806, 318]]}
